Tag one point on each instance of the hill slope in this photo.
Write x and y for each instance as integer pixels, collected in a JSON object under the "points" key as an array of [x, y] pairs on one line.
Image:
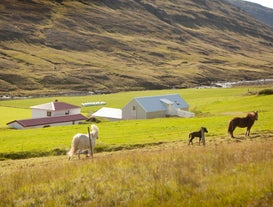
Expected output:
{"points": [[261, 13], [49, 46]]}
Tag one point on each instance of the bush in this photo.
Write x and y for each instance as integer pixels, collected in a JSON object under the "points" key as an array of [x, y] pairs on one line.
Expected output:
{"points": [[266, 92], [31, 154]]}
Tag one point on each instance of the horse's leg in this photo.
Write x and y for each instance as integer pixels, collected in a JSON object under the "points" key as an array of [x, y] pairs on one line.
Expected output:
{"points": [[231, 128], [248, 131], [190, 139], [231, 132], [199, 140], [70, 156]]}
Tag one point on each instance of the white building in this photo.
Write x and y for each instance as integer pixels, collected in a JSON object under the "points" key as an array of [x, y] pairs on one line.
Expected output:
{"points": [[148, 107], [156, 106], [53, 109], [50, 114]]}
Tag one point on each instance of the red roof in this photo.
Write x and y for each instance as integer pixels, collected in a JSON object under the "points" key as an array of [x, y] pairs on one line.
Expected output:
{"points": [[55, 106], [49, 120], [63, 106]]}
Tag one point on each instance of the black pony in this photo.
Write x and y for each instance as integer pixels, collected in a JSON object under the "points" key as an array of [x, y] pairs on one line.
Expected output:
{"points": [[192, 135], [247, 121]]}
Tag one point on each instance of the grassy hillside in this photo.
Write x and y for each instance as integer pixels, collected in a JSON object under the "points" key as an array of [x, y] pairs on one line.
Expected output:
{"points": [[59, 46]]}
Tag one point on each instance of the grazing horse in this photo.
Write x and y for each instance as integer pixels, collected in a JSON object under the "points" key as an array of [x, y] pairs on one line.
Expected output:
{"points": [[81, 143], [192, 135], [247, 121]]}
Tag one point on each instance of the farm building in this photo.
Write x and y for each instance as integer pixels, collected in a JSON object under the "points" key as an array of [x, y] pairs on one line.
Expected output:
{"points": [[112, 114], [155, 107], [148, 107], [50, 114]]}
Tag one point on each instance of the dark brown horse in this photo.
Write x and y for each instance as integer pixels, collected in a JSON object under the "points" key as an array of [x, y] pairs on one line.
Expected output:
{"points": [[247, 121]]}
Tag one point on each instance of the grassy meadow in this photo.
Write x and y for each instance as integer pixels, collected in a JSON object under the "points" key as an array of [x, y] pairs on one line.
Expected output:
{"points": [[160, 169], [213, 107], [234, 174]]}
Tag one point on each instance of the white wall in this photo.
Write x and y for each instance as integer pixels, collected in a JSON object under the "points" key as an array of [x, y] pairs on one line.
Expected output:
{"points": [[39, 113], [133, 111], [66, 112], [15, 125]]}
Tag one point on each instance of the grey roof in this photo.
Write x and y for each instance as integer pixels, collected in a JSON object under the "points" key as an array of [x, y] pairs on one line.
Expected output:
{"points": [[159, 103]]}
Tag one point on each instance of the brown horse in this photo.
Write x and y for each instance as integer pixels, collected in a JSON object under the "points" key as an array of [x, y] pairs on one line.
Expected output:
{"points": [[247, 121]]}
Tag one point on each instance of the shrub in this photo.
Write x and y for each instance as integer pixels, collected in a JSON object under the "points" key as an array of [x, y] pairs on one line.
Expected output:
{"points": [[266, 92]]}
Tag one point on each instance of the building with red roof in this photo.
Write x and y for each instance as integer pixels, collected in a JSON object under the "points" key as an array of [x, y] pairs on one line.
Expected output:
{"points": [[50, 114]]}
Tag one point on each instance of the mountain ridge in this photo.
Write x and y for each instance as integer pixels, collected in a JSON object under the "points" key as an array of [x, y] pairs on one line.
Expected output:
{"points": [[123, 45], [263, 14]]}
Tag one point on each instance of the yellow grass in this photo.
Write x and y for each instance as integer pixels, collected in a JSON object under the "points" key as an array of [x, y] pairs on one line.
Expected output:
{"points": [[236, 174]]}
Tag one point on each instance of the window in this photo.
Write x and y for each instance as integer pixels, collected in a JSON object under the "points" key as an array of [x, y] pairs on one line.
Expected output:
{"points": [[48, 113], [134, 108]]}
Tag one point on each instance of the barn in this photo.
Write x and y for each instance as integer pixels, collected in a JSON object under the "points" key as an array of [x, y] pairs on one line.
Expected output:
{"points": [[50, 114], [156, 106]]}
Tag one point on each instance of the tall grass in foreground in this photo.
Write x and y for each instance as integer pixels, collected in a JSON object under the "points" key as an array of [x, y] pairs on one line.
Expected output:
{"points": [[236, 174]]}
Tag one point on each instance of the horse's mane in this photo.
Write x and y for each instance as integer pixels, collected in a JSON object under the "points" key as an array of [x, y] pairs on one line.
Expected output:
{"points": [[95, 130], [252, 115]]}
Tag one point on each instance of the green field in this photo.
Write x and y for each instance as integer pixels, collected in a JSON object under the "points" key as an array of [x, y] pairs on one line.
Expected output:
{"points": [[159, 170], [213, 107]]}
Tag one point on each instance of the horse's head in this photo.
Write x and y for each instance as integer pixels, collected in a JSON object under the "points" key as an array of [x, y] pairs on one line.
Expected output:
{"points": [[253, 115], [95, 134], [95, 131], [204, 129]]}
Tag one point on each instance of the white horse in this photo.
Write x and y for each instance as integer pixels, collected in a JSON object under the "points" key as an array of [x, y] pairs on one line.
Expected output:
{"points": [[81, 143]]}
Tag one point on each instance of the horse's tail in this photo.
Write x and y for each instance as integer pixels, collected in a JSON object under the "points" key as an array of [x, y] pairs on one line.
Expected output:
{"points": [[73, 147], [71, 151], [230, 127]]}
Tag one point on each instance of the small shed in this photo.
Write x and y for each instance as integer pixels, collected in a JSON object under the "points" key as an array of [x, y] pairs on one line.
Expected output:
{"points": [[155, 107]]}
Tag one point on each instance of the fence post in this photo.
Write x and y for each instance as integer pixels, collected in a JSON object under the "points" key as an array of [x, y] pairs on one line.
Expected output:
{"points": [[203, 136], [91, 148]]}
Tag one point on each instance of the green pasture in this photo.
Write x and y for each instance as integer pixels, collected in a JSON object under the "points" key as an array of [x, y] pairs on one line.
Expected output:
{"points": [[213, 107]]}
